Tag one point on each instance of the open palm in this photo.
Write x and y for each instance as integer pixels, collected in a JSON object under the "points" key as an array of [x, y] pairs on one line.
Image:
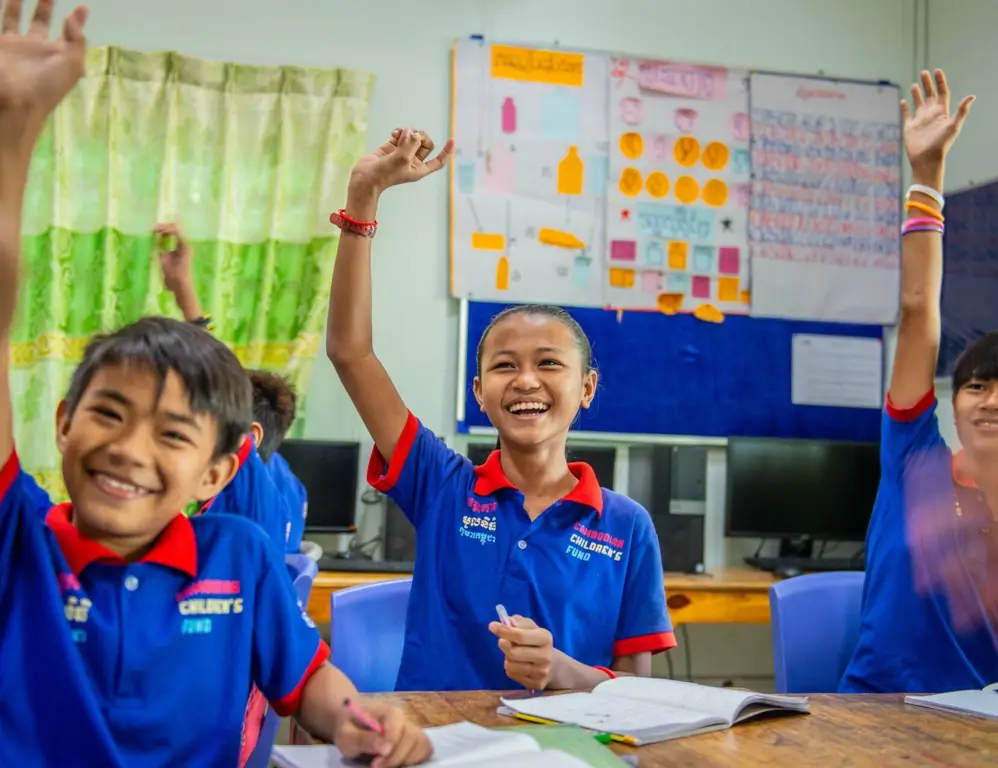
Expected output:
{"points": [[931, 129], [35, 72]]}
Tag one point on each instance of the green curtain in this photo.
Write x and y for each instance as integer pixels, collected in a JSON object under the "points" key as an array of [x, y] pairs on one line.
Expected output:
{"points": [[249, 160]]}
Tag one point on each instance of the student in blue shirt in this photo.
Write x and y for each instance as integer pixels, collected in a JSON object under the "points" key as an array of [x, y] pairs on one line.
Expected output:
{"points": [[925, 627], [121, 617], [265, 489], [577, 564]]}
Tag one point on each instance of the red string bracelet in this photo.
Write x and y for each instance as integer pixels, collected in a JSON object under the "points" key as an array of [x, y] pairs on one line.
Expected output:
{"points": [[349, 224], [609, 672]]}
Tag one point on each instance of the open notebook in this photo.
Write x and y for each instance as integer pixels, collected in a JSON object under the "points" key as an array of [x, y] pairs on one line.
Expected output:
{"points": [[983, 703], [643, 710], [465, 745]]}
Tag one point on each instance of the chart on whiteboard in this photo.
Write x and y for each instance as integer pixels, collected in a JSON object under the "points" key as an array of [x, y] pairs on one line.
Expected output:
{"points": [[678, 189], [530, 174], [824, 228]]}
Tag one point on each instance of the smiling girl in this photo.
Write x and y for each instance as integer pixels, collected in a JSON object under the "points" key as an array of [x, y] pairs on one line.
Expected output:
{"points": [[577, 565]]}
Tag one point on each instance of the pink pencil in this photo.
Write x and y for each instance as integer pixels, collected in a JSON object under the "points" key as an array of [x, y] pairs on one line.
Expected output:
{"points": [[361, 717]]}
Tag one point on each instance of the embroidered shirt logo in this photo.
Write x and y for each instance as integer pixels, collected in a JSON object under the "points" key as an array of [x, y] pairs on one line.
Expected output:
{"points": [[584, 542], [208, 597], [480, 525]]}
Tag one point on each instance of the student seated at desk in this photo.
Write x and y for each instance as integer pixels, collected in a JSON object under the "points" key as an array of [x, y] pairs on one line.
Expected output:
{"points": [[131, 635], [265, 489], [926, 626], [578, 564]]}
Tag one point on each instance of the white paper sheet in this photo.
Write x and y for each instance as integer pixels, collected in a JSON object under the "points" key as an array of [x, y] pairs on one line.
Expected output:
{"points": [[837, 371]]}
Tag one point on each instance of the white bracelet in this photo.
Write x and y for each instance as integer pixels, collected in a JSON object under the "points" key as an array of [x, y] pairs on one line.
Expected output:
{"points": [[928, 192]]}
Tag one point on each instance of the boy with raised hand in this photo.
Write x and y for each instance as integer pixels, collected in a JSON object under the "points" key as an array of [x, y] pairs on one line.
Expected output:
{"points": [[929, 622], [264, 490], [120, 616]]}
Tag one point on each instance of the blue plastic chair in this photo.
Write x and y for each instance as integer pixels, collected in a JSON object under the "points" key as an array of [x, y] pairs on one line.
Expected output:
{"points": [[302, 570], [367, 626], [815, 620]]}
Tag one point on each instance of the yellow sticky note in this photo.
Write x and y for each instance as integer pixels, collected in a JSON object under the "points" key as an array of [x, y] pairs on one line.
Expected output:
{"points": [[708, 313], [727, 289], [502, 274], [531, 65], [621, 278], [746, 297], [488, 241], [559, 239], [678, 250], [670, 303]]}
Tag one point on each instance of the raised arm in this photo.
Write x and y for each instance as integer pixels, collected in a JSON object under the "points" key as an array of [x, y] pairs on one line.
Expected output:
{"points": [[349, 343], [929, 131], [35, 75], [175, 262]]}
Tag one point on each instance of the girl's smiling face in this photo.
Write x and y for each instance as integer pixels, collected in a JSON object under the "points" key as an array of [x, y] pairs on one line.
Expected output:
{"points": [[531, 382]]}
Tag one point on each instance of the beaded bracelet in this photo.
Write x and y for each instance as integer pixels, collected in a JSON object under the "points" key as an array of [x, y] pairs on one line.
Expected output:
{"points": [[355, 226]]}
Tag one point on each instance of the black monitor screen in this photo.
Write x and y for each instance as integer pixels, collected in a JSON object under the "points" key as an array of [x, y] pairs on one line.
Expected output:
{"points": [[602, 460], [797, 488], [329, 473]]}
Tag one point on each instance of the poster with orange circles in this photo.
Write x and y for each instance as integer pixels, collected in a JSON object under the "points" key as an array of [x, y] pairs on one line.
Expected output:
{"points": [[678, 188]]}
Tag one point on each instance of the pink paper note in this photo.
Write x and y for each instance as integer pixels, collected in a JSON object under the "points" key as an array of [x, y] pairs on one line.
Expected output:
{"points": [[701, 287], [500, 177], [706, 83], [623, 250]]}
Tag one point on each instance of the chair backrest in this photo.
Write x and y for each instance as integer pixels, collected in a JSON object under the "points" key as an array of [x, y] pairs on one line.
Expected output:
{"points": [[815, 620], [367, 626], [302, 570]]}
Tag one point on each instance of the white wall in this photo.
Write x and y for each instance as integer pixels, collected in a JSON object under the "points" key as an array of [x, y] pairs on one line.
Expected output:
{"points": [[406, 45]]}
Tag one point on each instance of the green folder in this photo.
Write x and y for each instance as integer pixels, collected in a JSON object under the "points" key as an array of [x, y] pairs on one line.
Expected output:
{"points": [[575, 741]]}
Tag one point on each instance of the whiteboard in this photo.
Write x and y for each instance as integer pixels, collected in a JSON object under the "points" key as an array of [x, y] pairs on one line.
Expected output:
{"points": [[679, 187], [529, 176], [825, 214]]}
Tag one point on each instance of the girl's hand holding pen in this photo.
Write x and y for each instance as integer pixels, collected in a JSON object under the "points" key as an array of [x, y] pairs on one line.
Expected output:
{"points": [[382, 733]]}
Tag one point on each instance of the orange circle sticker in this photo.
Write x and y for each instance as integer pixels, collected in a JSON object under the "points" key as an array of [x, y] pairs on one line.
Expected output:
{"points": [[715, 193], [630, 182], [657, 184], [715, 156], [686, 150], [687, 190], [632, 146]]}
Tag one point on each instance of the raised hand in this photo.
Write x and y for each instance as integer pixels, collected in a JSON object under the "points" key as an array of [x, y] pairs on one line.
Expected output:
{"points": [[35, 72], [176, 262], [929, 126], [400, 160]]}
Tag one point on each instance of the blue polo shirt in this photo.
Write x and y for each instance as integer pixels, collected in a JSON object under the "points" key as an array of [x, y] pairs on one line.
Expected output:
{"points": [[906, 642], [108, 664], [588, 569], [288, 484], [253, 495]]}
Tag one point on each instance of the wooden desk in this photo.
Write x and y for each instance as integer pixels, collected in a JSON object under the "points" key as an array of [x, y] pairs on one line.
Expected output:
{"points": [[853, 731], [736, 595]]}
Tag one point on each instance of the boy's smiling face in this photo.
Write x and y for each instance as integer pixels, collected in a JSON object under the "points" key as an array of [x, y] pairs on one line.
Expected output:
{"points": [[134, 454]]}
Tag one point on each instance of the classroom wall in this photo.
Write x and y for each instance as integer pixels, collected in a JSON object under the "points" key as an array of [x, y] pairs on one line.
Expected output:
{"points": [[406, 46]]}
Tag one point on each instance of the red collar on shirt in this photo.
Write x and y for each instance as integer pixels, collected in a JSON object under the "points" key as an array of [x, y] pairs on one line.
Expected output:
{"points": [[175, 547], [587, 491], [960, 475]]}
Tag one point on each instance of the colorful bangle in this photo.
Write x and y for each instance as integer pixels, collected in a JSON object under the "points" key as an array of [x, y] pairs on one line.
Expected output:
{"points": [[922, 221], [350, 224], [608, 672], [910, 230], [926, 209], [929, 192]]}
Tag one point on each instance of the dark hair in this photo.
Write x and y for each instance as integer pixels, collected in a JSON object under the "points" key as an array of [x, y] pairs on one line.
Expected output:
{"points": [[274, 407], [215, 380], [546, 310], [978, 361]]}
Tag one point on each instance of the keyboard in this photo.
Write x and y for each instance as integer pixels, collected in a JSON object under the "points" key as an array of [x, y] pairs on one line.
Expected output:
{"points": [[362, 565], [808, 564]]}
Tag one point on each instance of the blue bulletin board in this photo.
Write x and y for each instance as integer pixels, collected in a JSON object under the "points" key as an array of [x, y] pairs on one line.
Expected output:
{"points": [[970, 271], [662, 375]]}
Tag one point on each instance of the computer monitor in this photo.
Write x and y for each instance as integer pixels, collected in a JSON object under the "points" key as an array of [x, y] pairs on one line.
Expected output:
{"points": [[800, 489], [602, 460], [329, 472]]}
